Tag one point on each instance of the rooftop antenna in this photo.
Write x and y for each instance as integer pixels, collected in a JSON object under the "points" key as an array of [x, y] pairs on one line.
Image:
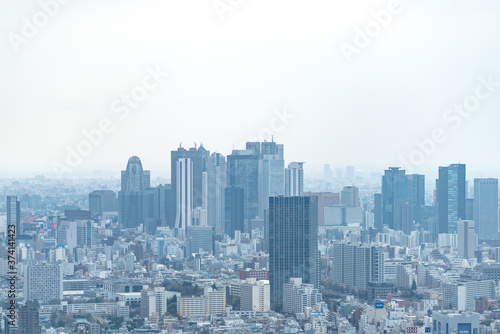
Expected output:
{"points": [[272, 138], [194, 144], [180, 145]]}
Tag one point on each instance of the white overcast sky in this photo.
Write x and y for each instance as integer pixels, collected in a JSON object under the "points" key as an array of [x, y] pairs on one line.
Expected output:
{"points": [[228, 76]]}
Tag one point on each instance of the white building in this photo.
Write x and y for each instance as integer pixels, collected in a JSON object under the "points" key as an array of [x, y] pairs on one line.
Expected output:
{"points": [[255, 295], [298, 296], [43, 282]]}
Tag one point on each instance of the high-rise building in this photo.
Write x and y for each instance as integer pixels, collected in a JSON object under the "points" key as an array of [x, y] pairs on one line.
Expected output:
{"points": [[416, 189], [450, 197], [102, 201], [183, 193], [29, 320], [394, 189], [201, 237], [14, 213], [43, 282], [466, 239], [234, 210], [243, 172], [377, 211], [294, 179], [216, 192], [153, 300], [349, 196], [255, 295], [486, 208], [293, 244], [407, 218], [324, 200], [271, 172], [297, 296], [199, 160], [135, 180], [355, 265]]}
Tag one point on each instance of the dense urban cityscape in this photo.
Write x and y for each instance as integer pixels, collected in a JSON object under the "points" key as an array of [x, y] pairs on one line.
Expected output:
{"points": [[245, 243]]}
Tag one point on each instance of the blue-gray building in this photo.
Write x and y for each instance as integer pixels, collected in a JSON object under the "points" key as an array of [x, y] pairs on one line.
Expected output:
{"points": [[485, 211], [293, 242], [451, 194]]}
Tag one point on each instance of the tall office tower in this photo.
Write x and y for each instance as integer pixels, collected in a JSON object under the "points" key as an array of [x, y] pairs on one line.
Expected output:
{"points": [[135, 181], [450, 197], [297, 296], [271, 173], [216, 192], [102, 201], [294, 179], [407, 218], [29, 319], [166, 216], [350, 173], [183, 193], [14, 213], [377, 211], [486, 208], [349, 196], [324, 200], [469, 210], [234, 198], [199, 158], [356, 265], [201, 237], [43, 282], [243, 172], [293, 242], [394, 189], [416, 189], [466, 239]]}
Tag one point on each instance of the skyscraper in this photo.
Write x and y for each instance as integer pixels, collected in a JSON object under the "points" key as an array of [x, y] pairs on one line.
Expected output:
{"points": [[243, 172], [102, 201], [199, 158], [349, 196], [450, 197], [394, 187], [183, 193], [293, 244], [14, 213], [377, 211], [271, 172], [416, 189], [216, 192], [466, 239], [135, 180], [234, 198], [486, 208], [294, 179]]}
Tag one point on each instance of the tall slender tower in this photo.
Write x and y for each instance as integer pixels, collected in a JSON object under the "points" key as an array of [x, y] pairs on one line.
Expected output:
{"points": [[216, 192], [294, 179], [486, 208], [14, 213], [184, 193], [131, 198], [451, 194]]}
